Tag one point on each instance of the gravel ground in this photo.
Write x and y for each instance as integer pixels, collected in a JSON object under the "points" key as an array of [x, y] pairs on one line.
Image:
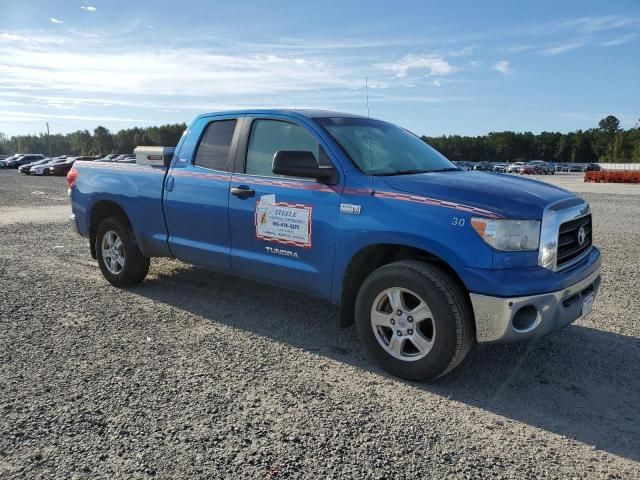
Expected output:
{"points": [[20, 190], [198, 375]]}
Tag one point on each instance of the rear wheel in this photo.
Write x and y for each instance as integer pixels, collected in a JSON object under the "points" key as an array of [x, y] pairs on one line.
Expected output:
{"points": [[119, 257], [414, 319]]}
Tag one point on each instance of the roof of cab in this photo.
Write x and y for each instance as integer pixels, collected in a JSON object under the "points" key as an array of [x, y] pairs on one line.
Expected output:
{"points": [[309, 113]]}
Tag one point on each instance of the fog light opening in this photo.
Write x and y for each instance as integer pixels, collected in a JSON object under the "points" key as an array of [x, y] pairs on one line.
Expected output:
{"points": [[525, 319]]}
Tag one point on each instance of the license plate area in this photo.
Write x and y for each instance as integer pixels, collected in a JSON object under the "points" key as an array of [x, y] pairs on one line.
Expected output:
{"points": [[587, 304]]}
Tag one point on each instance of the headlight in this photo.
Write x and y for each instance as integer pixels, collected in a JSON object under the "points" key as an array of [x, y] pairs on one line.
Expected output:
{"points": [[508, 235]]}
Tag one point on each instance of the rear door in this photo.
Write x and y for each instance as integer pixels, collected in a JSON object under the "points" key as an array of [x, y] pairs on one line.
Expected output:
{"points": [[196, 197], [283, 229]]}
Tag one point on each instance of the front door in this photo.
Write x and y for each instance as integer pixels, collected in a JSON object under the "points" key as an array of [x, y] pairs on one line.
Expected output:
{"points": [[283, 229]]}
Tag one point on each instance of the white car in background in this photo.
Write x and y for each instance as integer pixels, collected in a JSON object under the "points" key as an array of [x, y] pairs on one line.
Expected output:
{"points": [[42, 168], [514, 167]]}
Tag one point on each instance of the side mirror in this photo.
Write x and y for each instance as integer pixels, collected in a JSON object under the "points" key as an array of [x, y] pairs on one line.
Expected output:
{"points": [[297, 163]]}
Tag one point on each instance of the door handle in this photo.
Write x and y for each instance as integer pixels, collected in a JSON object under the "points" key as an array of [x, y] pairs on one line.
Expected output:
{"points": [[243, 192], [169, 185]]}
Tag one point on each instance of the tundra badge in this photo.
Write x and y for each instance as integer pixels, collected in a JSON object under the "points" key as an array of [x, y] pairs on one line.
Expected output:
{"points": [[284, 253]]}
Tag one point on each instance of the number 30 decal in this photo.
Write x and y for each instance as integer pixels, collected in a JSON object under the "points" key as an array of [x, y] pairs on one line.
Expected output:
{"points": [[458, 222]]}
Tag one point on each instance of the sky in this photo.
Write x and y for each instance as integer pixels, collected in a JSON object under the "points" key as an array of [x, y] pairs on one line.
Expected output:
{"points": [[434, 67]]}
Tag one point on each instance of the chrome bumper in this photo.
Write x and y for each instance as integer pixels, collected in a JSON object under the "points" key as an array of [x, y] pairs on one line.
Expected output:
{"points": [[523, 318], [74, 225]]}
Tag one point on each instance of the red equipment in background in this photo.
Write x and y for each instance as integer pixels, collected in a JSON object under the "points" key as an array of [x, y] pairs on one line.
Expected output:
{"points": [[613, 176]]}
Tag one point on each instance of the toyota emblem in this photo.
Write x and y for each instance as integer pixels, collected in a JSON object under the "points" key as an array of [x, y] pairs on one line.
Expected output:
{"points": [[582, 235]]}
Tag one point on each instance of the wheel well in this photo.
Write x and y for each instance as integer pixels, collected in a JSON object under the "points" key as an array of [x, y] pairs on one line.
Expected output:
{"points": [[101, 211], [373, 257]]}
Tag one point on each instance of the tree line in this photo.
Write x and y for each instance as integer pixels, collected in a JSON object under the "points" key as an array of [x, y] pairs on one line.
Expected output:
{"points": [[606, 143], [100, 142]]}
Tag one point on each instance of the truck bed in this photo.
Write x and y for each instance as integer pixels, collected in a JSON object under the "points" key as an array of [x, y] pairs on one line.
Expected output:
{"points": [[138, 188]]}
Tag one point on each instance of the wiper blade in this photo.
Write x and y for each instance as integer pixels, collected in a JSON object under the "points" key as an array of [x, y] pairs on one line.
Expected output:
{"points": [[411, 172], [405, 172]]}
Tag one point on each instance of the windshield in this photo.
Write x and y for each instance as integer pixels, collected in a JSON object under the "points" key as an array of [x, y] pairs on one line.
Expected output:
{"points": [[380, 148]]}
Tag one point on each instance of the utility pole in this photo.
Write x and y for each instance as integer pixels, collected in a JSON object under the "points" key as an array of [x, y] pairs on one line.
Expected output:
{"points": [[48, 141]]}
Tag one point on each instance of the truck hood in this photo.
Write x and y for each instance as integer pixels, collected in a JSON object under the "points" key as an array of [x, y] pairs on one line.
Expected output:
{"points": [[508, 196]]}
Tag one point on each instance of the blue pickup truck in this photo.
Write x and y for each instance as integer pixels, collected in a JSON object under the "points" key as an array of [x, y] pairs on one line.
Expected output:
{"points": [[424, 258]]}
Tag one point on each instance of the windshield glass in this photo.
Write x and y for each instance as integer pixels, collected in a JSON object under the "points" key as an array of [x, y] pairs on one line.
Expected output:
{"points": [[380, 148]]}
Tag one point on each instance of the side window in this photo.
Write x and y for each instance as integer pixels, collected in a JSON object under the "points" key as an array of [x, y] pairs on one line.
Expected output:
{"points": [[269, 136], [213, 150]]}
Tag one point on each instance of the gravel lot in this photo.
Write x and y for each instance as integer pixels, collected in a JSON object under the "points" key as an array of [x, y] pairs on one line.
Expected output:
{"points": [[199, 375]]}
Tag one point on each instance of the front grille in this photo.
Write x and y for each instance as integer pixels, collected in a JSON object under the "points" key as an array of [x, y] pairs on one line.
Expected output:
{"points": [[569, 246]]}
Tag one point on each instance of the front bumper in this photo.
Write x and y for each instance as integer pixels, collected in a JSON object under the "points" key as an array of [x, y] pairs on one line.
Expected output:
{"points": [[523, 318]]}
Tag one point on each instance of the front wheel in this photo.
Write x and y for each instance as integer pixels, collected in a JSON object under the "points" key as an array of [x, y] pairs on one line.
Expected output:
{"points": [[119, 257], [414, 319]]}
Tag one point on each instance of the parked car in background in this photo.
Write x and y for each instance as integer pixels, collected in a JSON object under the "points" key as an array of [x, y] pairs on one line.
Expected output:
{"points": [[592, 167], [499, 168], [576, 167], [125, 158], [2, 160], [26, 169], [532, 169], [547, 168], [42, 168], [108, 158], [465, 166], [22, 160], [514, 167], [483, 166], [11, 157], [60, 169], [128, 159], [18, 157]]}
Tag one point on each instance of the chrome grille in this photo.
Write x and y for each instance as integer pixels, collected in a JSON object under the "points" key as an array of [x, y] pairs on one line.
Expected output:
{"points": [[570, 248]]}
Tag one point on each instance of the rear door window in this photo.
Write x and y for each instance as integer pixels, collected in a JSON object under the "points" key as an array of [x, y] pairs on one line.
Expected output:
{"points": [[213, 150]]}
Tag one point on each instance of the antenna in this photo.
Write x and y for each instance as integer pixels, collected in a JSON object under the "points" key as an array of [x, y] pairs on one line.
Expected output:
{"points": [[366, 88]]}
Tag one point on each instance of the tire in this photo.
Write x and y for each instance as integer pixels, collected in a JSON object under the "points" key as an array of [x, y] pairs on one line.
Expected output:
{"points": [[449, 332], [132, 266]]}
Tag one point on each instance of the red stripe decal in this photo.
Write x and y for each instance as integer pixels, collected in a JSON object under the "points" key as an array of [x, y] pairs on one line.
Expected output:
{"points": [[405, 197], [302, 185]]}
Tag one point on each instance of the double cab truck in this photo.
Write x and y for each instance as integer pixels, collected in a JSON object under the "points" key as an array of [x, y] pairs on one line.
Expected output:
{"points": [[426, 259]]}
